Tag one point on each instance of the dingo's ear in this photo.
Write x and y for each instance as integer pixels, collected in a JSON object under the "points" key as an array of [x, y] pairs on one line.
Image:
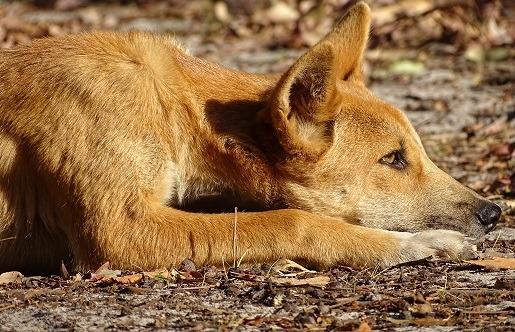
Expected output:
{"points": [[349, 38], [305, 100], [301, 107]]}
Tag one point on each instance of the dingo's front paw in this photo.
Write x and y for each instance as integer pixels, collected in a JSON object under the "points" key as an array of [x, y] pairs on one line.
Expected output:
{"points": [[442, 243]]}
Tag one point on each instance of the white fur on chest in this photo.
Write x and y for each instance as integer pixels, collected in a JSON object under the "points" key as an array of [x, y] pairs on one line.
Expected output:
{"points": [[182, 185]]}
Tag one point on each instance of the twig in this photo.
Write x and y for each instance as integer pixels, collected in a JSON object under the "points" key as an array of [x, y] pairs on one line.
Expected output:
{"points": [[248, 277], [8, 238], [242, 256], [272, 266], [7, 307], [423, 261], [193, 288], [235, 238], [496, 239], [343, 302], [475, 292], [223, 266], [487, 312]]}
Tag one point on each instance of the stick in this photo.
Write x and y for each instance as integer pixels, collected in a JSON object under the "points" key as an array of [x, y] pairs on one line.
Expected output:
{"points": [[235, 238], [8, 238]]}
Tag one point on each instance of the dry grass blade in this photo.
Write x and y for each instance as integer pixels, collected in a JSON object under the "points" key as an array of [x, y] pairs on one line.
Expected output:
{"points": [[235, 238], [495, 262]]}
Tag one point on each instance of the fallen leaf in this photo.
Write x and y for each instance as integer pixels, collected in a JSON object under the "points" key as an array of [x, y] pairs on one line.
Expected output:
{"points": [[289, 268], [160, 274], [254, 321], [104, 266], [191, 276], [496, 262], [407, 67], [282, 13], [104, 273], [10, 277], [107, 273], [221, 12], [475, 52], [315, 281], [130, 279]]}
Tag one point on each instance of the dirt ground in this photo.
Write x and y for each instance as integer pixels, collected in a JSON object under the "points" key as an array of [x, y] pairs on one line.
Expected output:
{"points": [[464, 111]]}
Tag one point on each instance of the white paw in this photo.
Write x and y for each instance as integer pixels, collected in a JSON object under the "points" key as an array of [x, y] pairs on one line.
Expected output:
{"points": [[441, 243]]}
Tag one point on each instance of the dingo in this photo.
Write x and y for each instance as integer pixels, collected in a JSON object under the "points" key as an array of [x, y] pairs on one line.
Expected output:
{"points": [[121, 147]]}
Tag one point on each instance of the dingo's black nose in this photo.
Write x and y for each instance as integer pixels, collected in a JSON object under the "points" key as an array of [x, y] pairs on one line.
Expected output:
{"points": [[488, 214]]}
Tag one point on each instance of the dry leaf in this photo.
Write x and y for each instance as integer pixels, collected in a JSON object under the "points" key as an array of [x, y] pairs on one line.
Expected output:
{"points": [[106, 273], [10, 277], [160, 274], [495, 262], [282, 13], [192, 276], [130, 279], [315, 281], [285, 267], [104, 266], [136, 290], [221, 12], [254, 321]]}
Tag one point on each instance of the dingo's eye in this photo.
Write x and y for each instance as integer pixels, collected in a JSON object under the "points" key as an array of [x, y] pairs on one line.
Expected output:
{"points": [[394, 159]]}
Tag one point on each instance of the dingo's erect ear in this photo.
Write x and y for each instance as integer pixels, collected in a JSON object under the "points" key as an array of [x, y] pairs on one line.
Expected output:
{"points": [[305, 99], [349, 37], [301, 109]]}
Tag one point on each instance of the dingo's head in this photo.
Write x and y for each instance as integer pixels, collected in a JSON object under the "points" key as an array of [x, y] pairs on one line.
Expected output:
{"points": [[343, 152]]}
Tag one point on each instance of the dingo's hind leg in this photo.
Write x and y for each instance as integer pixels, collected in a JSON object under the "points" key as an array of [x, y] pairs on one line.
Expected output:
{"points": [[27, 243]]}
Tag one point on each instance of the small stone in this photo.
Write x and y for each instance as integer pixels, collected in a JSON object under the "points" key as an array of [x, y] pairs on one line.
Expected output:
{"points": [[187, 265], [322, 309], [305, 319], [290, 307]]}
